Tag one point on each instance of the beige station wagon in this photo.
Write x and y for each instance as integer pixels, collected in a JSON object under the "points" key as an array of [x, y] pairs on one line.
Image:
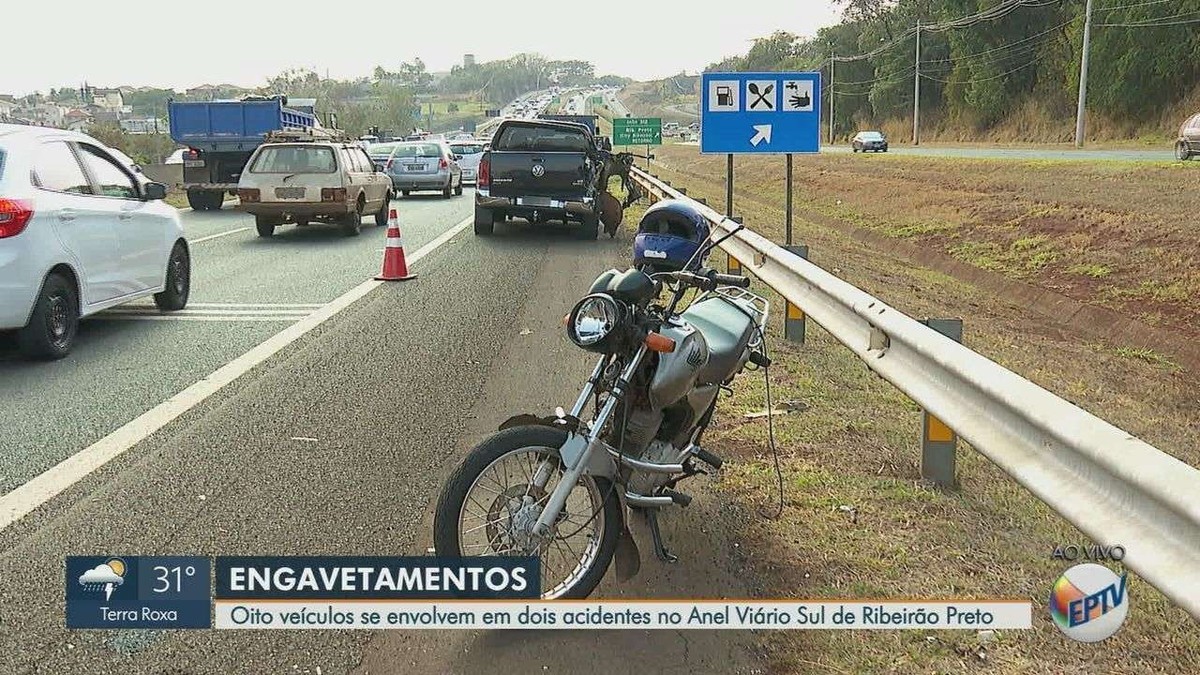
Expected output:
{"points": [[306, 181]]}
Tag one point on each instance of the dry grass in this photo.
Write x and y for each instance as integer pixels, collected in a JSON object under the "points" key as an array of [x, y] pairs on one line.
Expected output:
{"points": [[858, 521], [1112, 233]]}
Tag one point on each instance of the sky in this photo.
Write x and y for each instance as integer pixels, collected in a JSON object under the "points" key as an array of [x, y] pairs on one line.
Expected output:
{"points": [[243, 42]]}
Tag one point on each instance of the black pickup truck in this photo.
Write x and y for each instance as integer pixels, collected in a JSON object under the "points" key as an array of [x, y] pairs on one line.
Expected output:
{"points": [[541, 171]]}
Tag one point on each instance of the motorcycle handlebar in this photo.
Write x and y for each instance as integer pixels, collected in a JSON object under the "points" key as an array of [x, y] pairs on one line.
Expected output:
{"points": [[711, 279], [732, 280]]}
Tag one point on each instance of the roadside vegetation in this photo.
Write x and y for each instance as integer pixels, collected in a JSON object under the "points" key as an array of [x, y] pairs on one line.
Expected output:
{"points": [[1012, 76], [858, 520]]}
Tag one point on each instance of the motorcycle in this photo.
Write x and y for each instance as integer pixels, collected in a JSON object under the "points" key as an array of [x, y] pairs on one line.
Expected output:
{"points": [[561, 487]]}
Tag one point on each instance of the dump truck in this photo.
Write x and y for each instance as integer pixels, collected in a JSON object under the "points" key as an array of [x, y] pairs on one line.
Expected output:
{"points": [[220, 137]]}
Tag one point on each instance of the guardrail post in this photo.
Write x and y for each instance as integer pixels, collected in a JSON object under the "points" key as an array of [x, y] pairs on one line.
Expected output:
{"points": [[793, 321], [733, 265], [938, 441]]}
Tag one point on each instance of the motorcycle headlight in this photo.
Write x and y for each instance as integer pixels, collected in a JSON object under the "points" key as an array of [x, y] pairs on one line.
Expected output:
{"points": [[594, 321]]}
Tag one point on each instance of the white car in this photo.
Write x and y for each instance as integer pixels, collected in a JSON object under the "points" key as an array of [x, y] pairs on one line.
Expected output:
{"points": [[469, 152], [79, 233]]}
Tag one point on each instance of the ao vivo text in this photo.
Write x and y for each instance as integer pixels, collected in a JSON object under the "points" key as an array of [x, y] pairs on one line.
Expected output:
{"points": [[1089, 552]]}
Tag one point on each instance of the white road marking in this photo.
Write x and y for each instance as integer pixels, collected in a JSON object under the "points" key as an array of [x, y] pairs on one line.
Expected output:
{"points": [[217, 312], [214, 236], [52, 482], [237, 305], [173, 317]]}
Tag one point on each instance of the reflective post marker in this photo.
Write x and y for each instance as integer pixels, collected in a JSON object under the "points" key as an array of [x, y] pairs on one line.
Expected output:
{"points": [[793, 319], [938, 441], [733, 266]]}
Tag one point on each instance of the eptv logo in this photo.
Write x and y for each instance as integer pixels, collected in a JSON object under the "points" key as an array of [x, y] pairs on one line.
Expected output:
{"points": [[1089, 602]]}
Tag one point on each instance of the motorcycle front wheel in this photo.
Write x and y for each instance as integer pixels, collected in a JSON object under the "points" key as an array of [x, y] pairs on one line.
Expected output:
{"points": [[490, 503]]}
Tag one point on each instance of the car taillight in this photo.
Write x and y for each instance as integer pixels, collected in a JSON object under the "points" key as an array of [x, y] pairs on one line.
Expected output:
{"points": [[483, 175], [192, 153], [248, 194], [442, 163], [333, 194], [14, 216]]}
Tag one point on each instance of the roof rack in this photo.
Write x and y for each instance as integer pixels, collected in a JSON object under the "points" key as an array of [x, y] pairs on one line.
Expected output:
{"points": [[310, 134]]}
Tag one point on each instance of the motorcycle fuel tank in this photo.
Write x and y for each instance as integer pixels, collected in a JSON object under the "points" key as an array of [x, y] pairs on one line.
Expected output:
{"points": [[677, 371]]}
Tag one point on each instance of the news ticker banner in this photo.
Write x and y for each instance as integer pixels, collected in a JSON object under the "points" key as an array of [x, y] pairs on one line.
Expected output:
{"points": [[489, 593]]}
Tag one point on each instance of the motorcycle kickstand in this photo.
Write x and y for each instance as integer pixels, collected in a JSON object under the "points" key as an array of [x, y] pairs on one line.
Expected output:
{"points": [[659, 548]]}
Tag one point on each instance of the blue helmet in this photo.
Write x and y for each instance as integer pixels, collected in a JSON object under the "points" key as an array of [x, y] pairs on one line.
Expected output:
{"points": [[668, 236]]}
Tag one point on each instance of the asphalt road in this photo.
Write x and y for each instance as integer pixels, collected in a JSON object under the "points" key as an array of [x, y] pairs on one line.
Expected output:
{"points": [[244, 289], [336, 445]]}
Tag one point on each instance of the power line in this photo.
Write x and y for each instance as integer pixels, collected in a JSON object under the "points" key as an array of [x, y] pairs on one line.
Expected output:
{"points": [[1136, 4], [1159, 20], [1150, 25], [987, 79], [967, 57]]}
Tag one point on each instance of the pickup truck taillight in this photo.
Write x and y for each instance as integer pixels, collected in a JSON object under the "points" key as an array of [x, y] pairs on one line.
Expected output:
{"points": [[248, 195], [333, 194], [14, 216], [192, 153], [483, 175]]}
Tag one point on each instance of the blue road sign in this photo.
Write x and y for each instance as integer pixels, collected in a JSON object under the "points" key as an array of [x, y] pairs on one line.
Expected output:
{"points": [[760, 113]]}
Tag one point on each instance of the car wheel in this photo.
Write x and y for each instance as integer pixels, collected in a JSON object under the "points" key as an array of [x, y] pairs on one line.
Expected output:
{"points": [[352, 222], [459, 189], [264, 225], [854, 148], [448, 190], [54, 322], [174, 296], [485, 221], [406, 192], [381, 216], [1183, 152]]}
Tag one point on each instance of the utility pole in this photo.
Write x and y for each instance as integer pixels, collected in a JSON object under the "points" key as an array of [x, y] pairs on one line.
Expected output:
{"points": [[917, 90], [832, 60], [1083, 75]]}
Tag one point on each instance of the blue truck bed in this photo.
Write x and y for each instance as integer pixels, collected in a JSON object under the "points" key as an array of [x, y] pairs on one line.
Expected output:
{"points": [[216, 126]]}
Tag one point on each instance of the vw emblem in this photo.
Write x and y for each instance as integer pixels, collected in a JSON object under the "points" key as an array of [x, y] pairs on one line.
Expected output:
{"points": [[539, 170]]}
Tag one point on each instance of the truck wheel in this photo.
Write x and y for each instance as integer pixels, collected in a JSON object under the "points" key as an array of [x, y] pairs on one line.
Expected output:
{"points": [[590, 228], [485, 221], [352, 223], [213, 199], [264, 225], [198, 200]]}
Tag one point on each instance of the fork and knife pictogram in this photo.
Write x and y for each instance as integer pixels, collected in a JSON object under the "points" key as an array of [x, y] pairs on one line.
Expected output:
{"points": [[761, 96]]}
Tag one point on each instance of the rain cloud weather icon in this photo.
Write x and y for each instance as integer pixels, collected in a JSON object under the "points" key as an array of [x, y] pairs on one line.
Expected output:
{"points": [[104, 576]]}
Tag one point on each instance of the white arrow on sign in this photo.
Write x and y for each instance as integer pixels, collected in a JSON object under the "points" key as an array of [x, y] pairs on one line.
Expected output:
{"points": [[764, 134]]}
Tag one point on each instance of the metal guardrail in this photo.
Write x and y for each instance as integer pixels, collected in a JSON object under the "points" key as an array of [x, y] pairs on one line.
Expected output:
{"points": [[1115, 488]]}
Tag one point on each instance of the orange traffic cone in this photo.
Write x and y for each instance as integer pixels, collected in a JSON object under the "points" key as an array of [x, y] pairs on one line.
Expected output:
{"points": [[394, 267]]}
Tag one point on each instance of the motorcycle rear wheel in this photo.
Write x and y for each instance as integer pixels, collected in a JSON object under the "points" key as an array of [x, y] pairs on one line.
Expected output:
{"points": [[483, 497]]}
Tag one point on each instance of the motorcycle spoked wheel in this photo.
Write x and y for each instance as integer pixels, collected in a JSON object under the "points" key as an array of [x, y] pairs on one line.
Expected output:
{"points": [[482, 511]]}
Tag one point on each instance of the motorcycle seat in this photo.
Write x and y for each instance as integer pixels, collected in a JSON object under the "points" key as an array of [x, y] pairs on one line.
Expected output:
{"points": [[727, 330]]}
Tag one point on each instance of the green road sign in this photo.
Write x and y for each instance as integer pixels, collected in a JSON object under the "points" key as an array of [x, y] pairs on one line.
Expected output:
{"points": [[637, 131], [597, 100]]}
